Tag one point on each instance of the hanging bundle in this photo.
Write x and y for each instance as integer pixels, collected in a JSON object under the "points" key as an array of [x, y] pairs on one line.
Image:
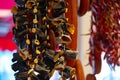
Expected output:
{"points": [[105, 33], [42, 34]]}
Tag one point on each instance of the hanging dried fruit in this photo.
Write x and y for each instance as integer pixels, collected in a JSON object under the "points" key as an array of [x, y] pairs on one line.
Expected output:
{"points": [[40, 27]]}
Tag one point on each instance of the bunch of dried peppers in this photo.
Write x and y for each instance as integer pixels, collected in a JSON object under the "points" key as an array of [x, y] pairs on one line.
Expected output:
{"points": [[105, 33]]}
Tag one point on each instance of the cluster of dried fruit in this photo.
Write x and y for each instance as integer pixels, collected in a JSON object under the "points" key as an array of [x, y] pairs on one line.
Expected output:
{"points": [[105, 33], [42, 35]]}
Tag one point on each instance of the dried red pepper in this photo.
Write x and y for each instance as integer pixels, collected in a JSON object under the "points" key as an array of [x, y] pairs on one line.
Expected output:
{"points": [[105, 33]]}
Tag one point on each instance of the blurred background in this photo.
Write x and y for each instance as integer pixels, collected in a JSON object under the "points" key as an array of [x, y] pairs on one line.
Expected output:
{"points": [[7, 46]]}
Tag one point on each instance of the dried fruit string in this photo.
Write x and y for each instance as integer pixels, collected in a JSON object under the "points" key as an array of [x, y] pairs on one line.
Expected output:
{"points": [[39, 28]]}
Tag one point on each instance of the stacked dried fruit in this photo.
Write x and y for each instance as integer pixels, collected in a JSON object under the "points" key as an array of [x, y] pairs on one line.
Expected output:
{"points": [[105, 33], [42, 35]]}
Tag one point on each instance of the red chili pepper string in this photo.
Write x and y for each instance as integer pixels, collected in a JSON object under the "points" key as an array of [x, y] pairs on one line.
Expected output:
{"points": [[105, 31]]}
